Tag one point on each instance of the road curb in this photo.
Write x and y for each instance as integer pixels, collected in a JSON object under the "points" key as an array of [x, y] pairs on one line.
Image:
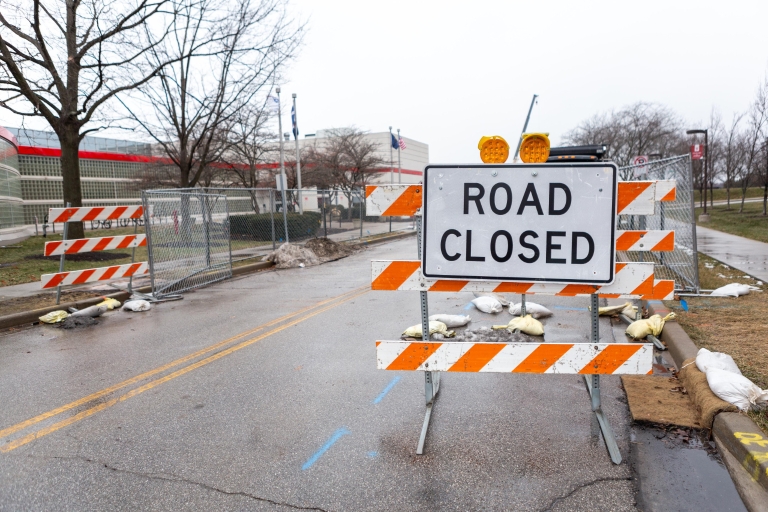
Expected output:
{"points": [[736, 435], [381, 240]]}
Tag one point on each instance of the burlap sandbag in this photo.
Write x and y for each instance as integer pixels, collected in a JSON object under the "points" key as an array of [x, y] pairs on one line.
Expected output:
{"points": [[706, 402]]}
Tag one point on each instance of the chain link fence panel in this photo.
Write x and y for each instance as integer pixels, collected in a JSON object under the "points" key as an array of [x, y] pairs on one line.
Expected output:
{"points": [[682, 264], [188, 239]]}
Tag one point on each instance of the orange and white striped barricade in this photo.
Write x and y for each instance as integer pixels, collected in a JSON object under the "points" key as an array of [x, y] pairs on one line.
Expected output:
{"points": [[622, 280], [81, 245]]}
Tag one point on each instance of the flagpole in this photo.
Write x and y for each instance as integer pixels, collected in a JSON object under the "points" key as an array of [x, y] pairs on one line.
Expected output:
{"points": [[391, 161], [298, 157], [399, 172], [282, 164]]}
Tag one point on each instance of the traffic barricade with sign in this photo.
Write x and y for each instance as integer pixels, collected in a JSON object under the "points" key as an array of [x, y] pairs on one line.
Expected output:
{"points": [[81, 245], [530, 229]]}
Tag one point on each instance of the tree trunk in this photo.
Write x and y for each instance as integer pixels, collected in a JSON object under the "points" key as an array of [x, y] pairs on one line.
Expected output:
{"points": [[728, 193], [69, 139], [765, 197]]}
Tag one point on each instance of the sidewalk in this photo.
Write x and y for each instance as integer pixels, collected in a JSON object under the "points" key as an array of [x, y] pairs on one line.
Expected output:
{"points": [[749, 256]]}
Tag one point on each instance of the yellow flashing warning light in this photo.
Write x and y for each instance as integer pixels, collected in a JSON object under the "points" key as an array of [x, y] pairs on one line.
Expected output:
{"points": [[493, 150], [534, 148]]}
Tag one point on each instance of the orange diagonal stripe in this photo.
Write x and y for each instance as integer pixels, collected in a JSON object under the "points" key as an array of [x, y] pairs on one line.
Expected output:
{"points": [[661, 289], [394, 275], [407, 203], [413, 356], [76, 246], [508, 287], [619, 266], [645, 288], [542, 358], [50, 247], [671, 195], [627, 239], [93, 213], [125, 242], [448, 286], [666, 244], [577, 289], [84, 275], [56, 279], [609, 360], [369, 190], [628, 192], [101, 244], [119, 210], [476, 357]]}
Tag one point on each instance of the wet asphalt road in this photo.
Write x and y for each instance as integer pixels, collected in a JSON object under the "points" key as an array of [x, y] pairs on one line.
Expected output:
{"points": [[293, 414]]}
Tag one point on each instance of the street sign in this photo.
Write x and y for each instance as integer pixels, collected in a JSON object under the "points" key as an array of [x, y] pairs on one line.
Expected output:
{"points": [[697, 151], [546, 223], [639, 163]]}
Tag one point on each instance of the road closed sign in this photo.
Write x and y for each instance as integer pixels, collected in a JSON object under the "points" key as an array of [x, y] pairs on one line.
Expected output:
{"points": [[546, 223]]}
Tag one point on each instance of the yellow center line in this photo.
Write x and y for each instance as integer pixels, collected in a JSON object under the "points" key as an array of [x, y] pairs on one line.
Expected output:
{"points": [[106, 391], [149, 385]]}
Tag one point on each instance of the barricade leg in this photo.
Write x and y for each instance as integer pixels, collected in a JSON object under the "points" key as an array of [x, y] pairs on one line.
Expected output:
{"points": [[593, 386], [431, 379]]}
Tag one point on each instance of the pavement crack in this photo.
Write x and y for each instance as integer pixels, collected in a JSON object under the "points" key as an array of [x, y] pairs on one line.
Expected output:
{"points": [[168, 477], [582, 486]]}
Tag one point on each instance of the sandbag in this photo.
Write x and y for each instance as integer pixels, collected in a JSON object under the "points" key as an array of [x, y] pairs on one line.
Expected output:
{"points": [[736, 389], [531, 308], [488, 304], [137, 305], [733, 290], [624, 309], [639, 329], [110, 303], [526, 324], [706, 360], [415, 331], [54, 317], [92, 311], [451, 321], [499, 297]]}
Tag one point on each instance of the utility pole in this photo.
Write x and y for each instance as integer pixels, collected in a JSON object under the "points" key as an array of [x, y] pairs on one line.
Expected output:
{"points": [[391, 161], [282, 164], [295, 121], [525, 127]]}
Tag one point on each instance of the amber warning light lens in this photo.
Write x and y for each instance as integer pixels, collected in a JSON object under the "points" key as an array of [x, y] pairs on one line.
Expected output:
{"points": [[535, 148], [493, 150]]}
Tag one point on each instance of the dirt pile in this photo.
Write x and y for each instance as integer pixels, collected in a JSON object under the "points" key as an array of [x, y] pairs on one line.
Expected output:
{"points": [[328, 250], [314, 252]]}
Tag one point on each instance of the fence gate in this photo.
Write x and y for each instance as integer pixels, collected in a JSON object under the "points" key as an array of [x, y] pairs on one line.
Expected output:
{"points": [[674, 213], [187, 239]]}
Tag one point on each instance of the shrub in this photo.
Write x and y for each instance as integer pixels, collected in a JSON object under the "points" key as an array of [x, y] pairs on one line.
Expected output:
{"points": [[258, 226]]}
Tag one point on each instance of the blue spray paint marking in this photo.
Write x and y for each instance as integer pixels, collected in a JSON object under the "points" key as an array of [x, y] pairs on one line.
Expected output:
{"points": [[386, 390], [565, 308], [373, 454], [335, 437], [469, 306]]}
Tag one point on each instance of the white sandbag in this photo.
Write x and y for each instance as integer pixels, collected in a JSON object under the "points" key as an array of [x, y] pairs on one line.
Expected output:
{"points": [[706, 360], [526, 324], [736, 389], [531, 308], [488, 304], [451, 321], [137, 305], [733, 290], [499, 297], [415, 331], [639, 329]]}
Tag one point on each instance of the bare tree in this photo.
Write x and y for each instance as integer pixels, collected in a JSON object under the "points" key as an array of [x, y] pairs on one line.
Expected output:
{"points": [[224, 54], [347, 160], [63, 61], [757, 121], [733, 155], [636, 129]]}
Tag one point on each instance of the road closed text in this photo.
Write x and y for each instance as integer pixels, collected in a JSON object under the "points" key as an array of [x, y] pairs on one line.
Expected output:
{"points": [[554, 225]]}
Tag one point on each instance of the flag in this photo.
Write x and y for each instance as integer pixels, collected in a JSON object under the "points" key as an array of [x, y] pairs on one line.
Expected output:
{"points": [[293, 120], [273, 104], [402, 143], [394, 142]]}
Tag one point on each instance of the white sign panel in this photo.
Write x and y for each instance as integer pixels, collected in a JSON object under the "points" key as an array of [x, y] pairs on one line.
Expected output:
{"points": [[544, 222]]}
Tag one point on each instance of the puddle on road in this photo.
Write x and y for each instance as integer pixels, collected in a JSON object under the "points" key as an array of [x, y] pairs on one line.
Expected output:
{"points": [[680, 469]]}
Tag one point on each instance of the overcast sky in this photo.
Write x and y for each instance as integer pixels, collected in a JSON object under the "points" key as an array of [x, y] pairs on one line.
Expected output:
{"points": [[448, 72]]}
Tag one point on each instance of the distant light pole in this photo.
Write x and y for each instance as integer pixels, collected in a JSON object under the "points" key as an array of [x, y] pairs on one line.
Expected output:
{"points": [[706, 162], [399, 170]]}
